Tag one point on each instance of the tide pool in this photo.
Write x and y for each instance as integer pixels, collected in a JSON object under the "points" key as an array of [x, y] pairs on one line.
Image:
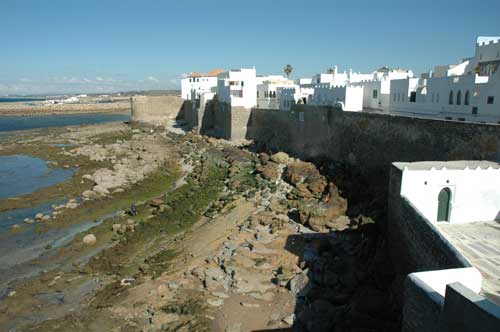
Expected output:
{"points": [[20, 175]]}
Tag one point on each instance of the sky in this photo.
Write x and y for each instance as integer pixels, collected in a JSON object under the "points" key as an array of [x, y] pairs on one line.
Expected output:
{"points": [[54, 46]]}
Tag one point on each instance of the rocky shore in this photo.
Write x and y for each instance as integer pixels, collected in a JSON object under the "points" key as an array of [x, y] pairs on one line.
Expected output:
{"points": [[235, 241], [90, 105]]}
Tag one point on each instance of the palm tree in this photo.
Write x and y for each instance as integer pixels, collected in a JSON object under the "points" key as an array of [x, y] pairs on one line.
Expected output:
{"points": [[288, 70]]}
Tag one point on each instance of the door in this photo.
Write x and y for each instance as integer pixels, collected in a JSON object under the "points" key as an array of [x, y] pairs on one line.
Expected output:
{"points": [[444, 199]]}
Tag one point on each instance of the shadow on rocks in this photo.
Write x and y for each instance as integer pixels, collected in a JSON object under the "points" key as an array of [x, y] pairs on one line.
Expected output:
{"points": [[346, 283]]}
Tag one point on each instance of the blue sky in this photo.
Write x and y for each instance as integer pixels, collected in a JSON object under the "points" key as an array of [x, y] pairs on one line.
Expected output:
{"points": [[53, 46]]}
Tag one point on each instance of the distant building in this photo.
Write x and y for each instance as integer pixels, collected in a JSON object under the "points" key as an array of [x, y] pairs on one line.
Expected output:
{"points": [[469, 91], [196, 84], [238, 87], [269, 91]]}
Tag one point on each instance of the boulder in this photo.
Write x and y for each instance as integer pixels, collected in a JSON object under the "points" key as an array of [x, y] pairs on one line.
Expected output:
{"points": [[116, 228], [156, 202], [89, 194], [300, 284], [263, 157], [269, 171], [89, 239], [300, 172], [280, 158], [39, 216]]}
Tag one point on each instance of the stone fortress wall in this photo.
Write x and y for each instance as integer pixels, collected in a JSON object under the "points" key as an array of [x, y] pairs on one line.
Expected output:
{"points": [[156, 110]]}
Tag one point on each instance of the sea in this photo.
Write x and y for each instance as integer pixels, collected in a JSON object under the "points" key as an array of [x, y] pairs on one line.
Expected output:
{"points": [[11, 123], [18, 100]]}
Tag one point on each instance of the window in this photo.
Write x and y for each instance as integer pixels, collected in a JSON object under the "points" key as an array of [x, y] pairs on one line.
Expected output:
{"points": [[498, 54], [257, 94], [467, 98], [189, 80], [491, 100], [459, 97], [394, 98], [432, 97], [301, 116], [375, 94], [242, 83], [413, 97], [474, 110], [403, 97], [450, 101], [399, 96], [437, 97]]}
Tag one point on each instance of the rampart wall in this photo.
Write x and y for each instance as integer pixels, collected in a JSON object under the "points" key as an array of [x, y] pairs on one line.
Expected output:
{"points": [[156, 110]]}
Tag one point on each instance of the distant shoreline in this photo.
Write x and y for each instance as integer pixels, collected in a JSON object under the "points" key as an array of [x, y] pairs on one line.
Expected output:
{"points": [[41, 109]]}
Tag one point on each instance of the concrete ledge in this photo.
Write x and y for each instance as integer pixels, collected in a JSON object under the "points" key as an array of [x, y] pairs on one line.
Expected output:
{"points": [[466, 311]]}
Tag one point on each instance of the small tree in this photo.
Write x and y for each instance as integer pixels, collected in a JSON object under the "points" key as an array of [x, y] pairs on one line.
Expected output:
{"points": [[288, 70], [330, 71]]}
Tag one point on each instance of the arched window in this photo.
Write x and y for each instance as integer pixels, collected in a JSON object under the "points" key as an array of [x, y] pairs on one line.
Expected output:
{"points": [[467, 98], [450, 101], [459, 97]]}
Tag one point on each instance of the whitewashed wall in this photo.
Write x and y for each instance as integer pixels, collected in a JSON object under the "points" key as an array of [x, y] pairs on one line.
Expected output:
{"points": [[475, 193], [245, 81], [197, 85]]}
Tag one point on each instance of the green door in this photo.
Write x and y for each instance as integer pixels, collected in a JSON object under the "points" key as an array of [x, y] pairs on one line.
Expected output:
{"points": [[444, 205]]}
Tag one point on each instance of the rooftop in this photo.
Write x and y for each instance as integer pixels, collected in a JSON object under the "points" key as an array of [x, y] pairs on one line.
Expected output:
{"points": [[212, 73], [479, 242], [456, 165]]}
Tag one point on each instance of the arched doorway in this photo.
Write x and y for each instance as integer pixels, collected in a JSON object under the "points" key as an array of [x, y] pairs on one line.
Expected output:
{"points": [[444, 200]]}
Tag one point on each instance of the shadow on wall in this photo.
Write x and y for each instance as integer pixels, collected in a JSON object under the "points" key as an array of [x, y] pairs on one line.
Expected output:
{"points": [[345, 283]]}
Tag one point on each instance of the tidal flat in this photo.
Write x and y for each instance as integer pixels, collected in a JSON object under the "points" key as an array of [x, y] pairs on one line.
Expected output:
{"points": [[222, 238]]}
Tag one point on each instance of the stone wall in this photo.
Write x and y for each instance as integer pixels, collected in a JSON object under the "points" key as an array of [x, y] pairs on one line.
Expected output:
{"points": [[416, 245], [372, 141], [421, 310], [156, 110], [219, 120]]}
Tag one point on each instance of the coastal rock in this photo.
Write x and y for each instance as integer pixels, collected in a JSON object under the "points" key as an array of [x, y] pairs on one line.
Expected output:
{"points": [[89, 239], [280, 158], [269, 171], [300, 172], [89, 194], [39, 216]]}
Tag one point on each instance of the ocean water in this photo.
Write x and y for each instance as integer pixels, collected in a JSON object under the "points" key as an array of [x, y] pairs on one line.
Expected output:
{"points": [[10, 123], [20, 175], [18, 100]]}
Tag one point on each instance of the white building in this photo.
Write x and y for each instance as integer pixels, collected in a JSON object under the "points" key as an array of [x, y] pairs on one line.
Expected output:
{"points": [[269, 91], [348, 97], [469, 91], [454, 191], [377, 90], [238, 87], [196, 84]]}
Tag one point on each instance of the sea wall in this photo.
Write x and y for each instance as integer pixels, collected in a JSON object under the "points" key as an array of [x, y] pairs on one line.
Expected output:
{"points": [[156, 110], [372, 141], [219, 120], [416, 244]]}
